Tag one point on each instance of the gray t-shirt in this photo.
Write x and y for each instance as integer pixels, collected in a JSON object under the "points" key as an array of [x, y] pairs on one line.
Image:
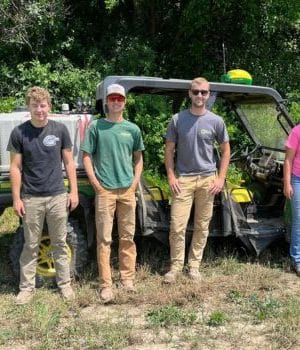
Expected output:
{"points": [[195, 137], [41, 150]]}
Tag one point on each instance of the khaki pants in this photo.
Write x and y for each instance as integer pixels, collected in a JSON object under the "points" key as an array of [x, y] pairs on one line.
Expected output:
{"points": [[193, 189], [54, 209], [121, 201]]}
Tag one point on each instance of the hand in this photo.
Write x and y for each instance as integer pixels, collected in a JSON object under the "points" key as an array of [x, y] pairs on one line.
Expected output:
{"points": [[72, 201], [217, 186], [97, 187], [174, 185], [19, 208], [133, 186]]}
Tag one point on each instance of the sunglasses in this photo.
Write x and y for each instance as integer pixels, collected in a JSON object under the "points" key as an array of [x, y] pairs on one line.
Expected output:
{"points": [[196, 92], [116, 98]]}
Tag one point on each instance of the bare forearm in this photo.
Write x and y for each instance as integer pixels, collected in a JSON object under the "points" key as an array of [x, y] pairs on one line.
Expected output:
{"points": [[138, 169], [169, 164], [89, 169], [16, 180], [71, 173], [287, 172], [169, 161], [224, 162]]}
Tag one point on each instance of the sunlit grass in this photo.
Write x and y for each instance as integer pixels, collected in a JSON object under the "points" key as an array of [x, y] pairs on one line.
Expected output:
{"points": [[8, 221]]}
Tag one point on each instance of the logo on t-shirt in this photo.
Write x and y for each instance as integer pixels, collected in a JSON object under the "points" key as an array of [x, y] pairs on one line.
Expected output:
{"points": [[205, 133], [50, 140]]}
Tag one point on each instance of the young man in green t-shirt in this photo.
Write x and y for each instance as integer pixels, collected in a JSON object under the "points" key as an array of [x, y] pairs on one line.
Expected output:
{"points": [[112, 157]]}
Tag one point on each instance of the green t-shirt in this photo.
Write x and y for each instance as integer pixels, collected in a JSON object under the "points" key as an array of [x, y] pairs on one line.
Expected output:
{"points": [[111, 146]]}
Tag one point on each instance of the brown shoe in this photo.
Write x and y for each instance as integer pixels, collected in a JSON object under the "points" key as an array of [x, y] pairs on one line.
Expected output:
{"points": [[128, 285], [297, 270], [106, 294], [67, 293], [170, 277], [24, 296], [195, 275]]}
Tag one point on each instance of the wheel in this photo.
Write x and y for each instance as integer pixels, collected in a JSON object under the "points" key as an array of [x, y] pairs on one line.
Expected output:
{"points": [[45, 270]]}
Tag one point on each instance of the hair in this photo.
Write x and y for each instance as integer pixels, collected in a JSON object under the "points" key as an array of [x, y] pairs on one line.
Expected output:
{"points": [[199, 80], [37, 93]]}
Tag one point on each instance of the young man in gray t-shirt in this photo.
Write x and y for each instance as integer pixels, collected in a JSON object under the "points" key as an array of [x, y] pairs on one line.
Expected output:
{"points": [[192, 134]]}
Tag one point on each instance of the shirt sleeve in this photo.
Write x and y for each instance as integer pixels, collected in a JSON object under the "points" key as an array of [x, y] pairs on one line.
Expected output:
{"points": [[14, 143], [171, 134], [138, 142], [293, 140], [89, 142], [222, 135], [66, 139]]}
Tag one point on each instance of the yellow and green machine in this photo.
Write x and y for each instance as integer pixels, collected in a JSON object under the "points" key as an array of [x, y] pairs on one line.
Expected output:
{"points": [[254, 211]]}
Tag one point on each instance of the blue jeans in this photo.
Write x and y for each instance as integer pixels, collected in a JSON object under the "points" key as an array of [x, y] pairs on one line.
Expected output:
{"points": [[295, 232]]}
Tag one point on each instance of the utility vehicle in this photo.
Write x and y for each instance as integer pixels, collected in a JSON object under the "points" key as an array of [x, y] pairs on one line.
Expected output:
{"points": [[252, 209]]}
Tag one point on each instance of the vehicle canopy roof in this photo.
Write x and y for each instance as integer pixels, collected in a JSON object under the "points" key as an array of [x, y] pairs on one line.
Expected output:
{"points": [[178, 88]]}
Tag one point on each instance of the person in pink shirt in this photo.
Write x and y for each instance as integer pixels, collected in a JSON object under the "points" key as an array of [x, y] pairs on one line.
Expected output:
{"points": [[291, 189]]}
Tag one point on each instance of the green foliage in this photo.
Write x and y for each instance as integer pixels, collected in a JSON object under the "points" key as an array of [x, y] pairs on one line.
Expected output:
{"points": [[64, 81], [69, 47], [264, 308], [7, 104], [110, 4], [260, 308], [170, 315], [133, 57], [235, 296], [236, 176], [216, 319], [152, 114], [33, 28], [154, 179], [294, 105]]}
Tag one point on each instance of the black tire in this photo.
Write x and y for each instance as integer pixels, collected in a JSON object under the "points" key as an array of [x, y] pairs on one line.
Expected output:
{"points": [[75, 241]]}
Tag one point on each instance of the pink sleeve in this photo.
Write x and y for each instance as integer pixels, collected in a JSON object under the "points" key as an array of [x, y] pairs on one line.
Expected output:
{"points": [[293, 139]]}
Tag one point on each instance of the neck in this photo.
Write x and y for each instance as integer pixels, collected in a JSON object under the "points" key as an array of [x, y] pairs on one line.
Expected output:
{"points": [[39, 124], [115, 117], [198, 110]]}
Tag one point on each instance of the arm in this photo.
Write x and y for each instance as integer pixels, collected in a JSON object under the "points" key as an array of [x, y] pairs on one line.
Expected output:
{"points": [[224, 163], [138, 168], [67, 155], [169, 164], [287, 172], [89, 169], [16, 181]]}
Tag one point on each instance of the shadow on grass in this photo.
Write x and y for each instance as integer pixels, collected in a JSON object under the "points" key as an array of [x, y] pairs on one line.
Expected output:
{"points": [[8, 283], [276, 255]]}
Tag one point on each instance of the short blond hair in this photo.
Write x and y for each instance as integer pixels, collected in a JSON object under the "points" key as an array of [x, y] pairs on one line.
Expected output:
{"points": [[38, 94], [198, 80]]}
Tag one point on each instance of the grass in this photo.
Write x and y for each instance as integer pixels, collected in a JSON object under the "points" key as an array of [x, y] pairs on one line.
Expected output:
{"points": [[170, 315], [217, 318], [242, 302]]}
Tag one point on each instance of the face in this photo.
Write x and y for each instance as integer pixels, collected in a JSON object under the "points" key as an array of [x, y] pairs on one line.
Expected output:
{"points": [[199, 94], [39, 111], [115, 103]]}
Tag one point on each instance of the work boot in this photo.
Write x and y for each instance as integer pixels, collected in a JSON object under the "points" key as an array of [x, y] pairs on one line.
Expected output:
{"points": [[128, 285], [106, 294], [194, 275], [170, 277], [24, 296], [67, 293], [297, 270]]}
